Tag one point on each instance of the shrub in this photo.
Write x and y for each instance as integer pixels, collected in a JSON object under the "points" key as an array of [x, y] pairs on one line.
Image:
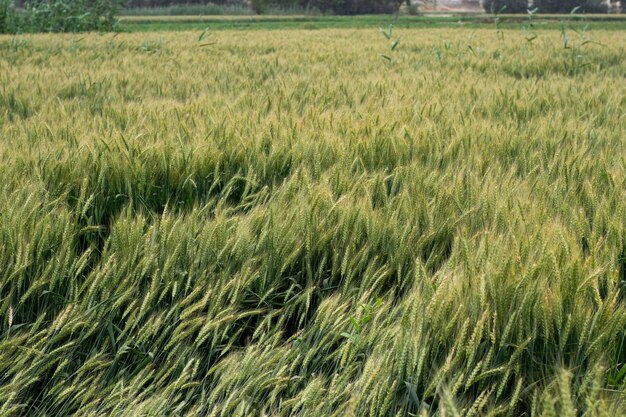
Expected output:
{"points": [[259, 6], [566, 6], [59, 16], [208, 9], [352, 7], [7, 16], [505, 6]]}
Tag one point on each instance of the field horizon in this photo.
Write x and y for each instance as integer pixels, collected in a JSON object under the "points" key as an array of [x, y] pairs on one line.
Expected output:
{"points": [[454, 20]]}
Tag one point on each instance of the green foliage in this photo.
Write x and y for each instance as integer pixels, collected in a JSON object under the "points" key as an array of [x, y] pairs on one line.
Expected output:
{"points": [[71, 16], [567, 6], [338, 7], [208, 9], [60, 16], [182, 3], [259, 6], [393, 42], [505, 6], [8, 17], [352, 7]]}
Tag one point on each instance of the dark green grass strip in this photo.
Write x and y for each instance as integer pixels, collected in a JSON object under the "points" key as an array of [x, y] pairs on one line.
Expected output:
{"points": [[516, 22]]}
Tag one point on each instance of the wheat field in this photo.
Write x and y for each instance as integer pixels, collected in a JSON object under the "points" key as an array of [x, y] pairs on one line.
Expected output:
{"points": [[311, 223]]}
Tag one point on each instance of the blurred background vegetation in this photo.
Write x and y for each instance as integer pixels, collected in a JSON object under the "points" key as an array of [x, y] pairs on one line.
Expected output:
{"points": [[27, 16], [20, 16]]}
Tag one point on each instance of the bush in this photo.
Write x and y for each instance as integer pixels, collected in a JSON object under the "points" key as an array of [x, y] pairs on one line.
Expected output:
{"points": [[352, 7], [209, 9], [133, 4], [259, 6], [566, 6], [72, 16], [338, 7], [7, 16], [505, 6], [59, 16]]}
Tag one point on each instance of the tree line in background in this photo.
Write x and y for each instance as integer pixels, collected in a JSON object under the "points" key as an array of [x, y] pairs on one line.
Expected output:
{"points": [[340, 7], [82, 15], [348, 7], [547, 6], [100, 15]]}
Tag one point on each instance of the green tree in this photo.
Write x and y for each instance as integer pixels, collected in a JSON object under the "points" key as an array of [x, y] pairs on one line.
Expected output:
{"points": [[566, 6], [352, 7], [259, 6], [505, 6]]}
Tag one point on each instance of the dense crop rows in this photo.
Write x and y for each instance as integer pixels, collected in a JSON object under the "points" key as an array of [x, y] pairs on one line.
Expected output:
{"points": [[283, 223]]}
